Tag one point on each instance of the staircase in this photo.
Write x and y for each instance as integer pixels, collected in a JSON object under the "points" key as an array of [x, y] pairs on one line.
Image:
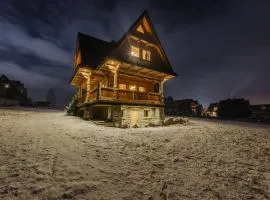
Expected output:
{"points": [[103, 123]]}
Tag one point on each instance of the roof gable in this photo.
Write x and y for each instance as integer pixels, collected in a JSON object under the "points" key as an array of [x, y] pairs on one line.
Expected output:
{"points": [[94, 51], [150, 35], [4, 78], [121, 51]]}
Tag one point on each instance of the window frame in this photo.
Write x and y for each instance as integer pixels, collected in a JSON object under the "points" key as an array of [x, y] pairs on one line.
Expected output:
{"points": [[129, 86], [122, 84], [146, 113], [146, 54], [141, 87], [135, 51]]}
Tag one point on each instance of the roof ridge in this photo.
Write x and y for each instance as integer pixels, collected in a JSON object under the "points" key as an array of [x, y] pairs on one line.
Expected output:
{"points": [[83, 34]]}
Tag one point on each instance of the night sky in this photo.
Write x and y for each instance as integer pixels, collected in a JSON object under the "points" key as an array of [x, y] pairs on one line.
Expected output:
{"points": [[219, 48]]}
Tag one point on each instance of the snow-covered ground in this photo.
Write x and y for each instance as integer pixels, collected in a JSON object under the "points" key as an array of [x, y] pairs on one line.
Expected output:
{"points": [[47, 155]]}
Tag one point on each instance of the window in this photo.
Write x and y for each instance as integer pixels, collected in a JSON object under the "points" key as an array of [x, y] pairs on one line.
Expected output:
{"points": [[132, 87], [6, 85], [146, 55], [140, 29], [122, 86], [135, 51], [141, 89], [146, 113]]}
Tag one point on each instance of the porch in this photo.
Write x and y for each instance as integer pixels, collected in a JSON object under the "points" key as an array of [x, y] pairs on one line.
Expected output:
{"points": [[119, 95]]}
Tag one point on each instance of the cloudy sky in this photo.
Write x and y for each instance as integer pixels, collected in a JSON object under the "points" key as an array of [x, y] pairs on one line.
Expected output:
{"points": [[219, 48]]}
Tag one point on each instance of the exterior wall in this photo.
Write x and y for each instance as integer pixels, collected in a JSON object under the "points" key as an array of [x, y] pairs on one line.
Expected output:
{"points": [[122, 116]]}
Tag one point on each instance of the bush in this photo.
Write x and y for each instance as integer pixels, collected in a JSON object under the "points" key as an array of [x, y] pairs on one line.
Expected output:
{"points": [[72, 109], [178, 120]]}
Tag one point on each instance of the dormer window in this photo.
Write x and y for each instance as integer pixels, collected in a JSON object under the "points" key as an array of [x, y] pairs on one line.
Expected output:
{"points": [[146, 55], [135, 51]]}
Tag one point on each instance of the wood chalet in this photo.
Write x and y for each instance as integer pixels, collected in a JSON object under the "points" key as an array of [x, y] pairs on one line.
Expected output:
{"points": [[122, 81]]}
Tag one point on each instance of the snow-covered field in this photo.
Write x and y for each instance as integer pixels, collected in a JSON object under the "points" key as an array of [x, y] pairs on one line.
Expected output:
{"points": [[47, 155]]}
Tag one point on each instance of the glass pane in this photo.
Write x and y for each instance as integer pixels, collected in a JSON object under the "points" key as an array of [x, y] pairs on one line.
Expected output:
{"points": [[135, 51], [132, 87]]}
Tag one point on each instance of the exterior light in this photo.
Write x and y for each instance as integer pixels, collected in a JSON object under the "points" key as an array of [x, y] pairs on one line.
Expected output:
{"points": [[6, 85]]}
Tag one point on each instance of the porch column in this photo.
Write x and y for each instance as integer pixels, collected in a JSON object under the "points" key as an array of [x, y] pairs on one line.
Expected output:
{"points": [[88, 81], [161, 89], [115, 74], [115, 70]]}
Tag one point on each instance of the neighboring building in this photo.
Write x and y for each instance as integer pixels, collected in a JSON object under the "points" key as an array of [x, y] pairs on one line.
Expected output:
{"points": [[184, 107], [12, 92], [260, 112], [122, 81], [212, 110]]}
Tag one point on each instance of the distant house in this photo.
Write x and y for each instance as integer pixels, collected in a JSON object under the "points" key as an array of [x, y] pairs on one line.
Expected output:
{"points": [[184, 107], [260, 112], [212, 110], [12, 92]]}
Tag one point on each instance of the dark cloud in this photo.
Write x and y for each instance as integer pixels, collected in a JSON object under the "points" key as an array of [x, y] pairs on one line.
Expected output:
{"points": [[220, 49]]}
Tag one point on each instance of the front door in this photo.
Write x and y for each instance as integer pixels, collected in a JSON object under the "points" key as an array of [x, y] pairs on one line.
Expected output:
{"points": [[134, 115]]}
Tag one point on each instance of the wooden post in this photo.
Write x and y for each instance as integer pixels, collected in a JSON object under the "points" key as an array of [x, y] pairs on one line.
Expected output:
{"points": [[88, 81], [115, 85], [161, 90], [99, 91]]}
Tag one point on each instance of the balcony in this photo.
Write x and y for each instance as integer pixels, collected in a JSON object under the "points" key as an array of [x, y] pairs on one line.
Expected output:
{"points": [[118, 95]]}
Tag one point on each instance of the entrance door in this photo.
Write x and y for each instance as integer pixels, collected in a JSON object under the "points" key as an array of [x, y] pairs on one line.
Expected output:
{"points": [[134, 115]]}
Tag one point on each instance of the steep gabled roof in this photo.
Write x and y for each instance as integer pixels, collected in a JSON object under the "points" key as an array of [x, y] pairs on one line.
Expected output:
{"points": [[94, 51]]}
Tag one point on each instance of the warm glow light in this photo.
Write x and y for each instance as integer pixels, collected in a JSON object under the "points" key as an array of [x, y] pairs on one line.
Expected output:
{"points": [[140, 29], [135, 51], [141, 89], [122, 86], [132, 87], [146, 55]]}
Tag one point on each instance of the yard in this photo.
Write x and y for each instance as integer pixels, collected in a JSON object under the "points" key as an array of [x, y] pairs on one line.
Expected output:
{"points": [[48, 155]]}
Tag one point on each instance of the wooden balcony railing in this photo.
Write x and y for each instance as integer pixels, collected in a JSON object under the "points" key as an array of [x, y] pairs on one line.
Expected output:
{"points": [[106, 93]]}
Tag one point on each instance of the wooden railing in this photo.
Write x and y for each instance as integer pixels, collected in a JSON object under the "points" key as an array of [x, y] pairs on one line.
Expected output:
{"points": [[106, 93]]}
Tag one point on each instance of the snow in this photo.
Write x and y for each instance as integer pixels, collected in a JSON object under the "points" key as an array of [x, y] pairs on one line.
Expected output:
{"points": [[45, 154]]}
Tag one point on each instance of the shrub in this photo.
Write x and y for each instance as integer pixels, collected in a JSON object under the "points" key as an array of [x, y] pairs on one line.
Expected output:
{"points": [[72, 109]]}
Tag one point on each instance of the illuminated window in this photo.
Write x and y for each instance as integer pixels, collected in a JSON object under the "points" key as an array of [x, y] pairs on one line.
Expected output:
{"points": [[146, 113], [135, 51], [146, 55], [132, 87], [140, 29], [6, 85], [141, 89], [122, 86]]}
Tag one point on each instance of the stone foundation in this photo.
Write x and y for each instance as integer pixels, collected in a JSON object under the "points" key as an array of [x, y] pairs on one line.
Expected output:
{"points": [[125, 115], [137, 116]]}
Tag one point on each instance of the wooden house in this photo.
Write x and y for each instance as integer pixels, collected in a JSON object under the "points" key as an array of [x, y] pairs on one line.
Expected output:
{"points": [[12, 92], [122, 81], [260, 113], [183, 107], [212, 110]]}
